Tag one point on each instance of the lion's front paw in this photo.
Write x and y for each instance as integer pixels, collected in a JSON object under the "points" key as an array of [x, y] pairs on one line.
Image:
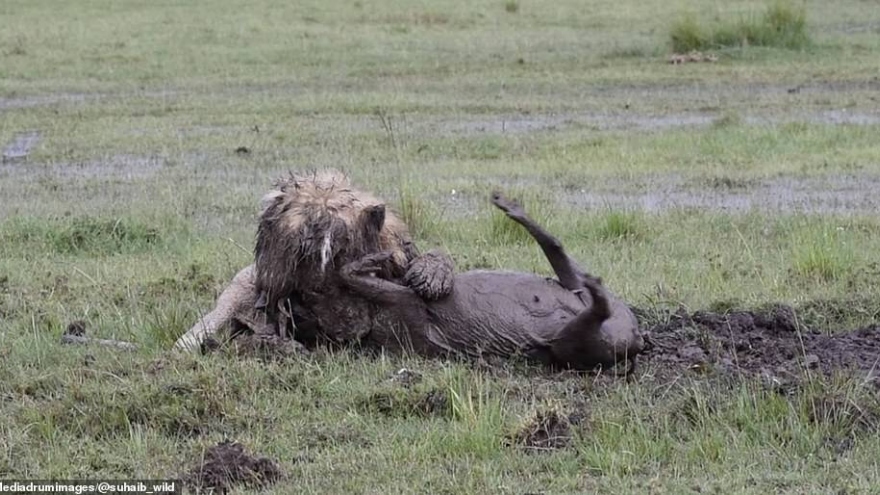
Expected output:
{"points": [[431, 275]]}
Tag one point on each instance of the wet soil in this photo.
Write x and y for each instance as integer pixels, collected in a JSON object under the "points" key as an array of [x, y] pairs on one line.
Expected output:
{"points": [[829, 194], [771, 344], [20, 146], [263, 345], [656, 193], [227, 465]]}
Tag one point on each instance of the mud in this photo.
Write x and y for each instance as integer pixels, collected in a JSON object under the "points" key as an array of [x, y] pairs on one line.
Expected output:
{"points": [[548, 430], [117, 167], [226, 466], [21, 146], [627, 120], [770, 344], [264, 345], [831, 194]]}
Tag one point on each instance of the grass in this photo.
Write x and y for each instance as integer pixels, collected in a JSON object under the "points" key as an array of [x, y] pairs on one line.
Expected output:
{"points": [[782, 25], [678, 185]]}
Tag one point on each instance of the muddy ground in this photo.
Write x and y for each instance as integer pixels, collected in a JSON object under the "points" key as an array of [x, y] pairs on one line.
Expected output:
{"points": [[226, 466], [771, 344]]}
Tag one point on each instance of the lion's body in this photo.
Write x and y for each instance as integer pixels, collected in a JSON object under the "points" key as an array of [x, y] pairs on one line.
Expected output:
{"points": [[309, 226]]}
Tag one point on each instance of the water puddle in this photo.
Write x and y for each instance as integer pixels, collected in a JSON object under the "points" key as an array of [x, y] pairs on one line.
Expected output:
{"points": [[21, 146], [820, 195]]}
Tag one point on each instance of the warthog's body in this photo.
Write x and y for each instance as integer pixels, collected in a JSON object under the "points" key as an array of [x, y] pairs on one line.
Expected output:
{"points": [[571, 322]]}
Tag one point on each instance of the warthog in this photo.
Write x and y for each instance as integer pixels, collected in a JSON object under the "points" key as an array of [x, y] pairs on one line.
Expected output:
{"points": [[573, 322]]}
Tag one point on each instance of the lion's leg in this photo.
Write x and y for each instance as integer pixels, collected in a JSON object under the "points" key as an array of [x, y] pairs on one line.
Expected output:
{"points": [[239, 297], [570, 273], [358, 277]]}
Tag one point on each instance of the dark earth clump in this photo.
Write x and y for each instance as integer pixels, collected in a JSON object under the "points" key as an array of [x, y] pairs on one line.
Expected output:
{"points": [[549, 430], [226, 465], [77, 328], [771, 342]]}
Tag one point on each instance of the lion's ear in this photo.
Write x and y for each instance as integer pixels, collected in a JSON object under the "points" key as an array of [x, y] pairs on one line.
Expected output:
{"points": [[271, 199]]}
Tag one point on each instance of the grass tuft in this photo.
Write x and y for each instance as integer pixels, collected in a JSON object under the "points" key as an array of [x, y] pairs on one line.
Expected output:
{"points": [[621, 225], [85, 235], [781, 26], [418, 215], [821, 258]]}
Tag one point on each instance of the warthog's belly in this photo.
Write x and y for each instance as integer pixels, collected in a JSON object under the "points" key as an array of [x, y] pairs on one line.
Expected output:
{"points": [[502, 313]]}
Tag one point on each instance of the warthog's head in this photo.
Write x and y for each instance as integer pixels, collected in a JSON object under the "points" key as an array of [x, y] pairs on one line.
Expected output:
{"points": [[313, 224]]}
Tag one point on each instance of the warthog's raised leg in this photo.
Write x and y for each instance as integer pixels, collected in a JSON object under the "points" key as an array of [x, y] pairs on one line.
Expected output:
{"points": [[570, 273], [584, 339]]}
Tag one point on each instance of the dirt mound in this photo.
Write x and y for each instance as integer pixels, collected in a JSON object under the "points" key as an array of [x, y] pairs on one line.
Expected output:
{"points": [[771, 342], [547, 431], [226, 465]]}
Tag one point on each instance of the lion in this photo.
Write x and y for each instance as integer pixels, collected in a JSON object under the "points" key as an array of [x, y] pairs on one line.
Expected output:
{"points": [[310, 225]]}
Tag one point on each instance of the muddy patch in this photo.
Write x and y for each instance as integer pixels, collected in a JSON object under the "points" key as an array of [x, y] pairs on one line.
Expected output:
{"points": [[226, 466], [770, 344], [548, 430], [18, 102], [830, 194], [262, 344], [117, 167], [627, 120], [658, 193], [20, 146]]}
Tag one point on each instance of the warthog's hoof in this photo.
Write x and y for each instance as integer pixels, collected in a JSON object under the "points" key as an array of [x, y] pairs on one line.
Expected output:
{"points": [[510, 207]]}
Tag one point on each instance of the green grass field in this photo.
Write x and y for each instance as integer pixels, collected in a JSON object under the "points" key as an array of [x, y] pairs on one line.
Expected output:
{"points": [[747, 181]]}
